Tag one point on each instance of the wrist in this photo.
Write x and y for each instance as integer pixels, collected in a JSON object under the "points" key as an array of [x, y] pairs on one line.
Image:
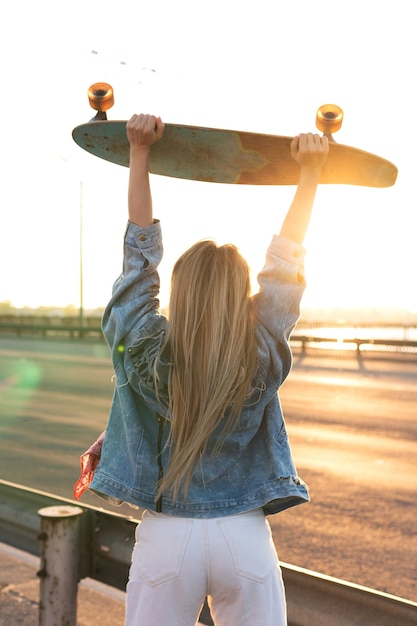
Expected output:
{"points": [[140, 151], [310, 174]]}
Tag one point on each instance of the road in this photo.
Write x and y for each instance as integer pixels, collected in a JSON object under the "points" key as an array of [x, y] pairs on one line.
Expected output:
{"points": [[352, 427]]}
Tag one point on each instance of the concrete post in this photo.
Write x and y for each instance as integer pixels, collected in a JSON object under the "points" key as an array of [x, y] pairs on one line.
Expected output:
{"points": [[59, 571]]}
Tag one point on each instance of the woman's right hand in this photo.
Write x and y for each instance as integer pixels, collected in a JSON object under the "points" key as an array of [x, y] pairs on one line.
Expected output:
{"points": [[310, 151]]}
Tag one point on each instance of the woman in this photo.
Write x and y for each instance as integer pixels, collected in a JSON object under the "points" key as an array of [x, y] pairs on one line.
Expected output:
{"points": [[196, 434]]}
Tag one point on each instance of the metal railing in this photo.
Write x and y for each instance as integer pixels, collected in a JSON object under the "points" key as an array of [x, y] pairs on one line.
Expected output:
{"points": [[100, 544], [316, 340], [45, 326]]}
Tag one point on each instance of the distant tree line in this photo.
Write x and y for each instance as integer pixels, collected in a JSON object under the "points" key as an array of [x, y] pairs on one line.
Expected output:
{"points": [[385, 315], [7, 308]]}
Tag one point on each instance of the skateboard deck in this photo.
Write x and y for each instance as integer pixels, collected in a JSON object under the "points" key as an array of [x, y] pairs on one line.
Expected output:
{"points": [[228, 156]]}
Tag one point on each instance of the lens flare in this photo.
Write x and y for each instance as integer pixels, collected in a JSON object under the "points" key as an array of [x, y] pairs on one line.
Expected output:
{"points": [[17, 385]]}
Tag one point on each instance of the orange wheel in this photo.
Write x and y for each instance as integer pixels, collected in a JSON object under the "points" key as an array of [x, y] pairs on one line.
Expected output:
{"points": [[329, 118], [100, 96]]}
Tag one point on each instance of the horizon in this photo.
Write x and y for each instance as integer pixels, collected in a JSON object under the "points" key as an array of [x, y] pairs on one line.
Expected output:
{"points": [[336, 315]]}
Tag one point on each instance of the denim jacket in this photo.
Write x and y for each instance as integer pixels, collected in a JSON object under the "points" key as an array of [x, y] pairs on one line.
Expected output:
{"points": [[255, 467]]}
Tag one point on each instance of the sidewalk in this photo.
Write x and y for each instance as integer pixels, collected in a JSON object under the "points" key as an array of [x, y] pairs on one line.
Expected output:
{"points": [[19, 594]]}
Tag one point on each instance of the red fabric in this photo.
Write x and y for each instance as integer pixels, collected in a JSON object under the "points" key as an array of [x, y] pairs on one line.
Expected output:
{"points": [[88, 461]]}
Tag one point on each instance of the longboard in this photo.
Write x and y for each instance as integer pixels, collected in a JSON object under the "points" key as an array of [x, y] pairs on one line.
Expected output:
{"points": [[229, 156]]}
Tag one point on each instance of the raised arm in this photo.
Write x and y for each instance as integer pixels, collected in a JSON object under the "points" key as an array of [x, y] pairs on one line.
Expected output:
{"points": [[142, 131], [310, 151]]}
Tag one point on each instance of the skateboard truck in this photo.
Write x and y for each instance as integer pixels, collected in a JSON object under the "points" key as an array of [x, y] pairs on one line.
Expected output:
{"points": [[329, 119], [101, 99]]}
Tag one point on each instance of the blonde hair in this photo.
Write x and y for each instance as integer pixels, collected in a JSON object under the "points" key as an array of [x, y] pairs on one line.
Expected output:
{"points": [[212, 348]]}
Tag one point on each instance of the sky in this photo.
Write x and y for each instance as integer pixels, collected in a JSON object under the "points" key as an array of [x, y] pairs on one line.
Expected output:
{"points": [[260, 67]]}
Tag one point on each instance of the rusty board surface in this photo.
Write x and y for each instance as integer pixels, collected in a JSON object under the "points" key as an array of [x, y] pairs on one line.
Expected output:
{"points": [[235, 157]]}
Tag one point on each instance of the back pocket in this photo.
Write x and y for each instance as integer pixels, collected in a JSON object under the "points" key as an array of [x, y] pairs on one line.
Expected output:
{"points": [[161, 544], [249, 540]]}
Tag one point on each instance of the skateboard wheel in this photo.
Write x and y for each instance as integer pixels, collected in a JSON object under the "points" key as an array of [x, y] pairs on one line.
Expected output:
{"points": [[329, 118], [100, 97]]}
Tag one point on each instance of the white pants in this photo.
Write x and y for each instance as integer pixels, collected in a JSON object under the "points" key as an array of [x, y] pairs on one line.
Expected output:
{"points": [[177, 562]]}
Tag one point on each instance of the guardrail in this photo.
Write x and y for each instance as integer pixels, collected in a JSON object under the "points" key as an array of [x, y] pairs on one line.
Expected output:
{"points": [[315, 341], [105, 541], [47, 329]]}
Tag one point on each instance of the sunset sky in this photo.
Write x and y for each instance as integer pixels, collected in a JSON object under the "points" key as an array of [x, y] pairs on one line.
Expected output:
{"points": [[264, 66]]}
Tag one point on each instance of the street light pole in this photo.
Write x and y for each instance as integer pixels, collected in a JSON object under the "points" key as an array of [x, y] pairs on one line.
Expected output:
{"points": [[81, 307], [81, 311]]}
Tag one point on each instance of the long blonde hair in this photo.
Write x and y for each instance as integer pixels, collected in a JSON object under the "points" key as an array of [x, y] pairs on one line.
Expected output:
{"points": [[212, 348]]}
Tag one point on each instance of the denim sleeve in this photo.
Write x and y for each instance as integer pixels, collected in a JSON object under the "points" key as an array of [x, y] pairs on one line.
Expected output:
{"points": [[277, 303], [134, 300]]}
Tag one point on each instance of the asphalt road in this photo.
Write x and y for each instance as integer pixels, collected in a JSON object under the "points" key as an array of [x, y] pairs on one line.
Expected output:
{"points": [[352, 426]]}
